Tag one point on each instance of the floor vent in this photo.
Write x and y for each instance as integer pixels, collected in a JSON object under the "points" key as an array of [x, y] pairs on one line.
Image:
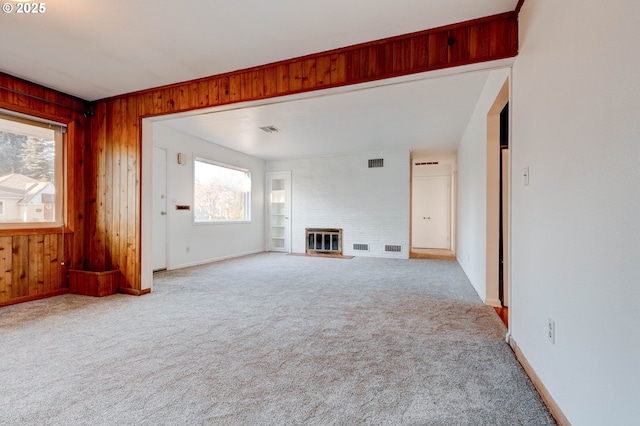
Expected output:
{"points": [[376, 162], [361, 247], [392, 248], [427, 163]]}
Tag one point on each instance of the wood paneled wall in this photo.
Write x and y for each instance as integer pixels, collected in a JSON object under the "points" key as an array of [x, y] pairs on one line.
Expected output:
{"points": [[114, 197], [31, 260], [105, 168], [33, 266]]}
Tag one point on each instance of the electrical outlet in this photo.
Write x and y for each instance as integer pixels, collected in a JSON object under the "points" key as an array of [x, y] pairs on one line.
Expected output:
{"points": [[551, 331], [188, 249]]}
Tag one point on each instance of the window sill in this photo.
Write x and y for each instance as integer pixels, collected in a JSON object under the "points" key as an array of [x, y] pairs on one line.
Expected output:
{"points": [[222, 222], [34, 231]]}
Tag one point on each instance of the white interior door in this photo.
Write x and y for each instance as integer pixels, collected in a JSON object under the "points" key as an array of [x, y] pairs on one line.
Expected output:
{"points": [[431, 212], [159, 207], [279, 211]]}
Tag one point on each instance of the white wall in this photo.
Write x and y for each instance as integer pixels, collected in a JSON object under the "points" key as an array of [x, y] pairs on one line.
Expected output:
{"points": [[207, 242], [370, 205], [472, 189], [576, 226]]}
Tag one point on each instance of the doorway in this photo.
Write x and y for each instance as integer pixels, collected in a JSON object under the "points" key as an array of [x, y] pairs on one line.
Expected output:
{"points": [[497, 204], [503, 254], [159, 208], [279, 211]]}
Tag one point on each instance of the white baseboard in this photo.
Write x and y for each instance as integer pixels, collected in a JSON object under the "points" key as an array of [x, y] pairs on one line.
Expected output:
{"points": [[212, 260]]}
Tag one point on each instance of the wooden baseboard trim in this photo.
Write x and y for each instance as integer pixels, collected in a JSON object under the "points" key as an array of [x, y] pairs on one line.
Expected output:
{"points": [[556, 412], [415, 255], [34, 297], [134, 292]]}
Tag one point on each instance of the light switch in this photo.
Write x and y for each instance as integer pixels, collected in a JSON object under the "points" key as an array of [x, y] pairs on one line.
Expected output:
{"points": [[526, 176]]}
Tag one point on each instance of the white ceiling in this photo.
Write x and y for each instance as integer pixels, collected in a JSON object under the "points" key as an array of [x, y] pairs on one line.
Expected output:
{"points": [[95, 49]]}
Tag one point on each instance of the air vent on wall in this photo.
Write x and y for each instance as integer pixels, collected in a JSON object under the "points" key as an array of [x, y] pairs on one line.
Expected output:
{"points": [[392, 248], [361, 247], [376, 162], [427, 163], [269, 129]]}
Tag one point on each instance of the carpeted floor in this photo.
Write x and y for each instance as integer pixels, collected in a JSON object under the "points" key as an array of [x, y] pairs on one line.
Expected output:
{"points": [[268, 339]]}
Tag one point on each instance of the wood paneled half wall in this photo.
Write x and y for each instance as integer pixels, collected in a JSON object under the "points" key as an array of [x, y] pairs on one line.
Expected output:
{"points": [[104, 161]]}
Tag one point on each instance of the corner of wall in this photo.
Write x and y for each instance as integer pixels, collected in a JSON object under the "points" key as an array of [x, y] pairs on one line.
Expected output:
{"points": [[472, 204]]}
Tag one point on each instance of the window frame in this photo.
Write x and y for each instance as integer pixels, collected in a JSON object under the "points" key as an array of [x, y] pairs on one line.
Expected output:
{"points": [[60, 171], [247, 194]]}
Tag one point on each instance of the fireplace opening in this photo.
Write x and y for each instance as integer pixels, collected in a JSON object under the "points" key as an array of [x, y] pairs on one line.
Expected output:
{"points": [[324, 240]]}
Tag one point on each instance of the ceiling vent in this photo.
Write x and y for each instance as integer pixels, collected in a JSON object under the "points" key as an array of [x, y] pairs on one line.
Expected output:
{"points": [[376, 162], [269, 129]]}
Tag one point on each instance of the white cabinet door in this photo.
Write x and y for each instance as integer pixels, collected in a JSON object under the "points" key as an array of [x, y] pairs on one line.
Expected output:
{"points": [[431, 213], [279, 211]]}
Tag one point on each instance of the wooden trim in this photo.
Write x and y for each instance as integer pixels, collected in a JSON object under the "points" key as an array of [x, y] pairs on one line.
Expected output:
{"points": [[519, 6], [431, 254], [37, 94], [542, 390], [94, 283], [134, 292], [27, 111], [34, 231], [17, 300]]}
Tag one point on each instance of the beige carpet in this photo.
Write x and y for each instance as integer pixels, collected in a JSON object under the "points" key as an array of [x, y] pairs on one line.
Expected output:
{"points": [[268, 339]]}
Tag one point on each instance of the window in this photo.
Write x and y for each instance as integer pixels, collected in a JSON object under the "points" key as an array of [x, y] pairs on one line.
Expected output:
{"points": [[30, 173], [221, 193]]}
